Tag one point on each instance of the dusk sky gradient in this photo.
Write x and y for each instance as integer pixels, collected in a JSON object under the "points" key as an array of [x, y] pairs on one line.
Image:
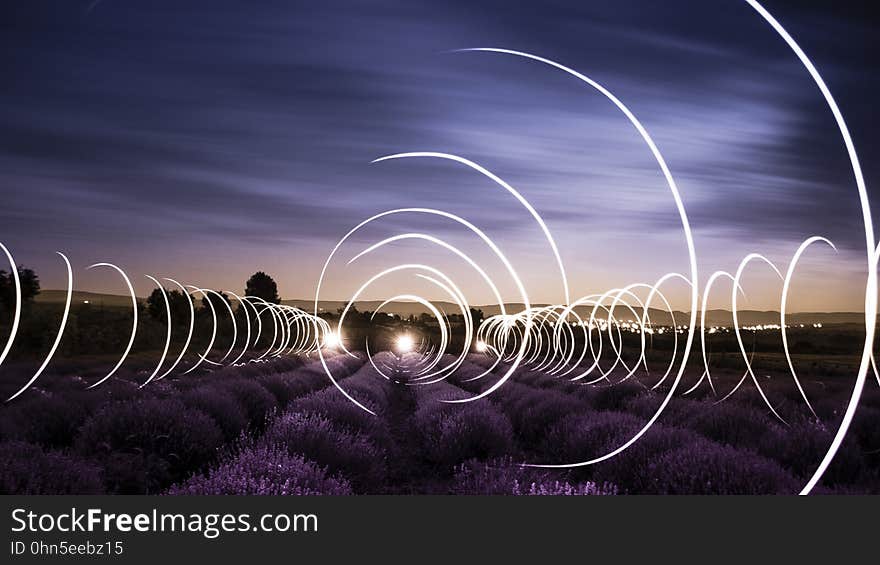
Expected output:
{"points": [[206, 140]]}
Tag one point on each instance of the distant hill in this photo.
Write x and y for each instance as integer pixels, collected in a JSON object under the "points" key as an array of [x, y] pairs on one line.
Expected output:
{"points": [[79, 297], [660, 317], [713, 317]]}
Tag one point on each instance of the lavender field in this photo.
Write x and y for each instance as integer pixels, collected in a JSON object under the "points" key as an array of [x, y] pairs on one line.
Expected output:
{"points": [[582, 248], [281, 428]]}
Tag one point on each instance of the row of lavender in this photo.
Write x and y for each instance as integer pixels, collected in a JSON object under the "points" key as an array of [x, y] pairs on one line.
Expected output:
{"points": [[322, 444], [121, 439], [698, 446], [415, 443], [281, 428], [482, 445]]}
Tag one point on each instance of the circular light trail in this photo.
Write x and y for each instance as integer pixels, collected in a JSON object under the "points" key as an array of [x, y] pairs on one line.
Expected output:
{"points": [[599, 339]]}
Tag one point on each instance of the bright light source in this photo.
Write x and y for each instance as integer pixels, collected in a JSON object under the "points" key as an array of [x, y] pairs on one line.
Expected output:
{"points": [[331, 340], [480, 346], [404, 343]]}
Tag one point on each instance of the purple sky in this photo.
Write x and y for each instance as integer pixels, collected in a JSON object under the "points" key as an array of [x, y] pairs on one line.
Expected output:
{"points": [[206, 140]]}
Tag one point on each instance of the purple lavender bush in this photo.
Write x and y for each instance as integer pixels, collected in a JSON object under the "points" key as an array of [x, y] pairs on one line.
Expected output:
{"points": [[340, 364], [254, 370], [504, 476], [289, 385], [28, 469], [579, 437], [709, 468], [351, 454], [533, 411], [264, 470], [51, 420], [145, 445], [801, 446], [731, 423], [612, 397], [286, 387], [367, 387], [258, 404], [676, 412], [221, 406], [866, 432], [446, 434], [564, 488], [629, 469], [331, 404], [449, 434]]}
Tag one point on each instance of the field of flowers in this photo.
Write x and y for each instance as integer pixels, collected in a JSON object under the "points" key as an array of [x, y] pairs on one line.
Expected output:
{"points": [[698, 446], [120, 439], [281, 428]]}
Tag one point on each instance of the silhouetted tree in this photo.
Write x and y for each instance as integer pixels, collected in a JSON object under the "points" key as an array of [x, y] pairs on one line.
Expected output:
{"points": [[216, 301], [383, 318], [355, 318], [477, 316], [30, 287], [262, 285], [155, 306]]}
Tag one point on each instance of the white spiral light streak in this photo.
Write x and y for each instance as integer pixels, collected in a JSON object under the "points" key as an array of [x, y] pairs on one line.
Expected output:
{"points": [[16, 317], [58, 335], [134, 323], [582, 339]]}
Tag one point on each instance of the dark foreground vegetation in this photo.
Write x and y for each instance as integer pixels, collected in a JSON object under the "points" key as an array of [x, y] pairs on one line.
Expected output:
{"points": [[281, 428]]}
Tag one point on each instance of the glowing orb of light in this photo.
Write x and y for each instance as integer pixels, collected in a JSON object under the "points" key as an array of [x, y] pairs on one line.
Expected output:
{"points": [[404, 343], [331, 340], [480, 346]]}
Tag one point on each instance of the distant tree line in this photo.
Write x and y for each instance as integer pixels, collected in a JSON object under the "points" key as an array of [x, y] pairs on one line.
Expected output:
{"points": [[30, 287], [103, 330], [97, 329]]}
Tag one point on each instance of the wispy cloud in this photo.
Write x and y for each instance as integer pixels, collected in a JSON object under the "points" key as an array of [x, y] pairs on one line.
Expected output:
{"points": [[237, 127]]}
